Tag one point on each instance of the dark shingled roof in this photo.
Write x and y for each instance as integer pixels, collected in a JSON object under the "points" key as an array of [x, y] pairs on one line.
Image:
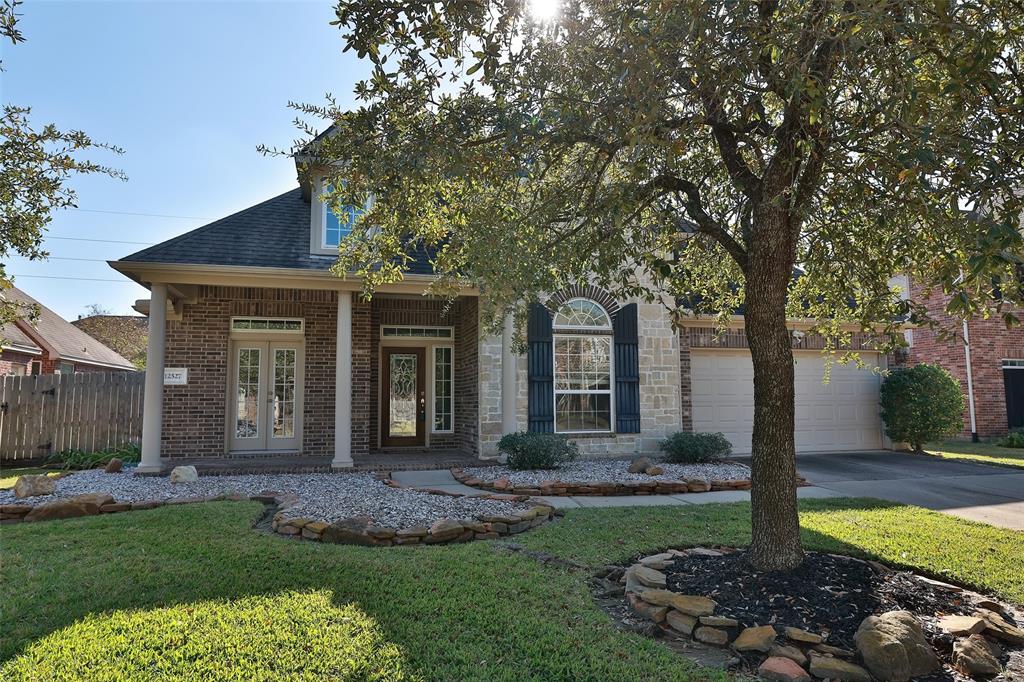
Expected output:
{"points": [[271, 234]]}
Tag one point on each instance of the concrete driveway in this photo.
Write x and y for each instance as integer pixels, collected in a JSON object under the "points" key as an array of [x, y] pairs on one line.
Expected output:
{"points": [[979, 492]]}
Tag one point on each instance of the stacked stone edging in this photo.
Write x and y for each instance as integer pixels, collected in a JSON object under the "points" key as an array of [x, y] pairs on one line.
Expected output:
{"points": [[354, 531], [607, 488]]}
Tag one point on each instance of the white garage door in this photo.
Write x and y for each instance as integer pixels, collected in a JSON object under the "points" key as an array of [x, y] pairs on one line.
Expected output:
{"points": [[840, 415]]}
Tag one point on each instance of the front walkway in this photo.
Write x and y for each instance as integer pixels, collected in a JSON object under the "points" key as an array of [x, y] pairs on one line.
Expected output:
{"points": [[443, 480], [979, 492]]}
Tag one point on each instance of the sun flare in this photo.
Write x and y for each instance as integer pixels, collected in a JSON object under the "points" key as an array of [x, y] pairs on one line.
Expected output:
{"points": [[544, 10]]}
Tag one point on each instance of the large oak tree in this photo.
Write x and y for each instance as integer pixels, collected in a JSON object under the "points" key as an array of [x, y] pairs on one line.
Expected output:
{"points": [[706, 150]]}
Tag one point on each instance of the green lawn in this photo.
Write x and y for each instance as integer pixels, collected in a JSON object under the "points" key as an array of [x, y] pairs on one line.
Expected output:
{"points": [[8, 477], [192, 591], [986, 453]]}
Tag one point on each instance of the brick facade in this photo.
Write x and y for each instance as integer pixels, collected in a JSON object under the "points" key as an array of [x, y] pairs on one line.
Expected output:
{"points": [[991, 343], [195, 415], [10, 358]]}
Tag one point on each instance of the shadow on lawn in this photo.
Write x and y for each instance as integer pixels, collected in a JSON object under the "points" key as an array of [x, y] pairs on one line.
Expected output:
{"points": [[456, 611], [81, 587]]}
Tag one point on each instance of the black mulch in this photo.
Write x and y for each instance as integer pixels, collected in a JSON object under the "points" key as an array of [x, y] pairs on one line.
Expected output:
{"points": [[826, 594]]}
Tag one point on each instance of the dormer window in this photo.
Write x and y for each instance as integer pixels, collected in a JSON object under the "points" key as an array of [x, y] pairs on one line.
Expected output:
{"points": [[328, 228], [335, 227]]}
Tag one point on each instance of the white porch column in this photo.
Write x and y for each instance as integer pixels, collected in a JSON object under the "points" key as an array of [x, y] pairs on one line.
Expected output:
{"points": [[508, 379], [153, 400], [343, 385]]}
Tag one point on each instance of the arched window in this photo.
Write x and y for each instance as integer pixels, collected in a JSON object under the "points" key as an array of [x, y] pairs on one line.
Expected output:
{"points": [[582, 335]]}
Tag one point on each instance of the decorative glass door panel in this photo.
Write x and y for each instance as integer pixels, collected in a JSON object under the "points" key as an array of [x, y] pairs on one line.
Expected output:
{"points": [[266, 379], [403, 393], [284, 393], [248, 394], [402, 409]]}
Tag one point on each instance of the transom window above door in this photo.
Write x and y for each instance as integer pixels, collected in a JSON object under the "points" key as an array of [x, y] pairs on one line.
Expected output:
{"points": [[265, 324], [416, 332], [583, 372]]}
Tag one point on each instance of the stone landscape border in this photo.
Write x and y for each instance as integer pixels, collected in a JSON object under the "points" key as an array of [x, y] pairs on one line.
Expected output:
{"points": [[353, 531], [558, 488], [889, 646]]}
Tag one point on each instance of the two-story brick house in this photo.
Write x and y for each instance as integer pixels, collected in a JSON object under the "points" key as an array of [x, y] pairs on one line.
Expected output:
{"points": [[284, 357], [985, 356]]}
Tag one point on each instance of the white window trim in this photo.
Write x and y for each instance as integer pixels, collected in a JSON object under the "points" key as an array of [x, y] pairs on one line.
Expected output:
{"points": [[1013, 363], [574, 327], [318, 222], [433, 387], [610, 392]]}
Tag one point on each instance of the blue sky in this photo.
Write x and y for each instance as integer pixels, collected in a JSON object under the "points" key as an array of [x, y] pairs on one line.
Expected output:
{"points": [[188, 89]]}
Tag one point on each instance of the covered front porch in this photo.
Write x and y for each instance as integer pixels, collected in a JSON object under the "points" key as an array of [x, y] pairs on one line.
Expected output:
{"points": [[300, 379]]}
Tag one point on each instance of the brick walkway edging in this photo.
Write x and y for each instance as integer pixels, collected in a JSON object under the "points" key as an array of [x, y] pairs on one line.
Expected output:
{"points": [[346, 531], [607, 488]]}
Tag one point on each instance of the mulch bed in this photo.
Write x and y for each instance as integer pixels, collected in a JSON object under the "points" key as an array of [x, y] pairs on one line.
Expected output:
{"points": [[826, 594]]}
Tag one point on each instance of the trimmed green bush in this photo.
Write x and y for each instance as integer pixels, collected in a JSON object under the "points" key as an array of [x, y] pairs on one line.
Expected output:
{"points": [[1014, 439], [78, 459], [537, 450], [921, 404], [693, 448]]}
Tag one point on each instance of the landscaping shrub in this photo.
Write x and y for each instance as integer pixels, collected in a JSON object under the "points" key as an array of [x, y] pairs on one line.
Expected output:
{"points": [[537, 450], [693, 448], [921, 404], [79, 459], [1014, 439]]}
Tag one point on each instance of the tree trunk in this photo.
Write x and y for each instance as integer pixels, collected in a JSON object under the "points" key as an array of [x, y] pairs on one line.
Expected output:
{"points": [[775, 525]]}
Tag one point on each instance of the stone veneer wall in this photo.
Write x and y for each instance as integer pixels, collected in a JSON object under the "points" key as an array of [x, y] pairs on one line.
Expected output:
{"points": [[659, 390], [991, 343], [195, 415]]}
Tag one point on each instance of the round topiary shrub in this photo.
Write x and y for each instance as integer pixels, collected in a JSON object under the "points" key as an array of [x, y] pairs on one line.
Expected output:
{"points": [[537, 450], [921, 404], [693, 448]]}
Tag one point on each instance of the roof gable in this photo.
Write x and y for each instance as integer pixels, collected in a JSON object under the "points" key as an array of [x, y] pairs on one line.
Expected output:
{"points": [[52, 331]]}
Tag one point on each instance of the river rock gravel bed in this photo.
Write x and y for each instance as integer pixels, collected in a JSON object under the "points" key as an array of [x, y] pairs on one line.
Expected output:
{"points": [[610, 470], [324, 497]]}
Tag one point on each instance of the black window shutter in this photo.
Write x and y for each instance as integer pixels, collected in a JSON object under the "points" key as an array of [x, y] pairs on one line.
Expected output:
{"points": [[541, 402], [627, 371]]}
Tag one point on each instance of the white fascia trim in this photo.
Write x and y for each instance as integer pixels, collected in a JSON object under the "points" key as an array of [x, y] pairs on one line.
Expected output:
{"points": [[181, 273], [26, 350]]}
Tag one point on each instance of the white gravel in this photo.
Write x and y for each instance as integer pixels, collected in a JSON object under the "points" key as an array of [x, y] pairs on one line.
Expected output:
{"points": [[324, 497], [610, 471]]}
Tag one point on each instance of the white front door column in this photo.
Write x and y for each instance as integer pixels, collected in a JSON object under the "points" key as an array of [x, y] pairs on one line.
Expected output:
{"points": [[153, 400], [508, 378], [343, 385]]}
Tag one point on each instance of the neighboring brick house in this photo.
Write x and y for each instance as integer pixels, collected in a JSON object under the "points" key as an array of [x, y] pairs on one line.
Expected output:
{"points": [[996, 362], [274, 354], [49, 344]]}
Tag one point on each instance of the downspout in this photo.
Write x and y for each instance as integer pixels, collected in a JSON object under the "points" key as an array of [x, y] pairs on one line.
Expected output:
{"points": [[970, 383]]}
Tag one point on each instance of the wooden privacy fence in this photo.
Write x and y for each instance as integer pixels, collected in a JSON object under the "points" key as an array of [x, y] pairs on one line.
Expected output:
{"points": [[41, 415]]}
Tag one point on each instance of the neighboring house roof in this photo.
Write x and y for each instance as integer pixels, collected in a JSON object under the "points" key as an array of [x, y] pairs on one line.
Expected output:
{"points": [[60, 338], [271, 234], [12, 338], [124, 334]]}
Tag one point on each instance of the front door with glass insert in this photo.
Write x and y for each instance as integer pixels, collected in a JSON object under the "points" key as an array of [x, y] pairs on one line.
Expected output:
{"points": [[403, 397], [266, 411]]}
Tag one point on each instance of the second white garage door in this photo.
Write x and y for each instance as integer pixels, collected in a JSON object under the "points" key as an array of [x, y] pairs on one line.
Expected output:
{"points": [[840, 415]]}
